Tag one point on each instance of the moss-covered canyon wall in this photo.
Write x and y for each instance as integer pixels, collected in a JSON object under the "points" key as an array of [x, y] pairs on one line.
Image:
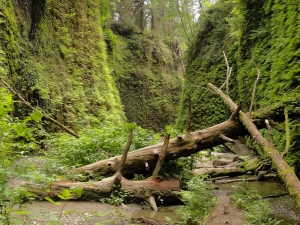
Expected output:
{"points": [[264, 33], [56, 55]]}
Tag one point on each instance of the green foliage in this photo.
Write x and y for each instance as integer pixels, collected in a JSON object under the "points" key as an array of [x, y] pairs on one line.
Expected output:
{"points": [[67, 45], [199, 199], [96, 144], [263, 32], [118, 195], [256, 209]]}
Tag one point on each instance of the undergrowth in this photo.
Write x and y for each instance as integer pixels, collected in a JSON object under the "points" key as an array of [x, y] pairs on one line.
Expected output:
{"points": [[256, 209], [198, 199]]}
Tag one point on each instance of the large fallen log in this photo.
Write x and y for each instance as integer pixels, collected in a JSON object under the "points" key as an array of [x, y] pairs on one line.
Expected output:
{"points": [[144, 159], [285, 172], [144, 189]]}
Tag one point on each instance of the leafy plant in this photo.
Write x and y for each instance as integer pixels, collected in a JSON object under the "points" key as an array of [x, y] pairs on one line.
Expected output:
{"points": [[256, 209], [96, 144], [65, 195], [15, 139], [117, 196]]}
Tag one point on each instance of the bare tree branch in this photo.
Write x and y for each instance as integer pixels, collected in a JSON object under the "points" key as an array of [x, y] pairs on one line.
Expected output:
{"points": [[254, 89], [287, 131], [45, 116]]}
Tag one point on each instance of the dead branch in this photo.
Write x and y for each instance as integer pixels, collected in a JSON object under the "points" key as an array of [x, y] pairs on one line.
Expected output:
{"points": [[223, 181], [45, 116], [227, 139], [236, 112], [125, 152], [287, 131], [162, 156], [228, 73], [269, 131], [254, 89], [182, 146], [189, 121], [285, 172]]}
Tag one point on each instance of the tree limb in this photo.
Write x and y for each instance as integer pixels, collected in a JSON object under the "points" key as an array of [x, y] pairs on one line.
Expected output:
{"points": [[287, 131], [269, 131], [45, 116], [162, 156], [254, 89], [285, 172]]}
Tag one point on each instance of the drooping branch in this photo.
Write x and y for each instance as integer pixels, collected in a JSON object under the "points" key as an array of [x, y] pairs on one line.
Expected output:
{"points": [[45, 116], [285, 172]]}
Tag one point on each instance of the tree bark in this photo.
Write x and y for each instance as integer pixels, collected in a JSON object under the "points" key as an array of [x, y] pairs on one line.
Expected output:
{"points": [[285, 172]]}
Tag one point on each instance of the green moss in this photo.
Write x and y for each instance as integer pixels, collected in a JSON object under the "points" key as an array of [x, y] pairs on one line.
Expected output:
{"points": [[63, 68], [147, 79]]}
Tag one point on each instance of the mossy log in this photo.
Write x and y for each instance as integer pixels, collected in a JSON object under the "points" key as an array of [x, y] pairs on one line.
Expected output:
{"points": [[285, 172]]}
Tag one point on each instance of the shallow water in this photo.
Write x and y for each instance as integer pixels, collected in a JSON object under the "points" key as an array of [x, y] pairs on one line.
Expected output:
{"points": [[285, 208], [164, 214]]}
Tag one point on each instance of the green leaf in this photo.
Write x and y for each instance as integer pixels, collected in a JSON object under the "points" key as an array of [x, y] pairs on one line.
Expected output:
{"points": [[77, 190], [36, 116], [52, 223], [69, 212], [62, 197], [66, 193], [50, 200], [21, 212]]}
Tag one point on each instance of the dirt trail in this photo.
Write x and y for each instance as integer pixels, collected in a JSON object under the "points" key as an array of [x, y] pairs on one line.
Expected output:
{"points": [[225, 213]]}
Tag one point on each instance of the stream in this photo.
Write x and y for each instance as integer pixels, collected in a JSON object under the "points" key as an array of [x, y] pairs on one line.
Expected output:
{"points": [[91, 213], [285, 208]]}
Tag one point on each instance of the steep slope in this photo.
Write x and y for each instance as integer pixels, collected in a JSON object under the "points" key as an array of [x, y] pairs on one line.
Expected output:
{"points": [[148, 78], [55, 56]]}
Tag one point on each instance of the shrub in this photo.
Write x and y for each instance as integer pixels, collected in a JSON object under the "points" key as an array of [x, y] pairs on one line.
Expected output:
{"points": [[199, 199]]}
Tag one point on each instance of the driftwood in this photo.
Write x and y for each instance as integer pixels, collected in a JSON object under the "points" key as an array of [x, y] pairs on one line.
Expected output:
{"points": [[285, 172]]}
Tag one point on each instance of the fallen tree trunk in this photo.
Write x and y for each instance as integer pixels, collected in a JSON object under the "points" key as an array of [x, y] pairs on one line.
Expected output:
{"points": [[227, 170], [144, 189], [182, 146], [285, 172]]}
